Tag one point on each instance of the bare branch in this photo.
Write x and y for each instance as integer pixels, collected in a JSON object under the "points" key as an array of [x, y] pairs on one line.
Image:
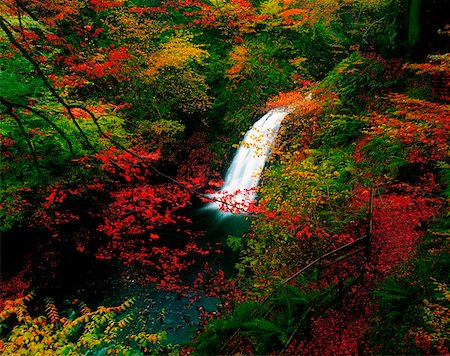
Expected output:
{"points": [[22, 32], [31, 147]]}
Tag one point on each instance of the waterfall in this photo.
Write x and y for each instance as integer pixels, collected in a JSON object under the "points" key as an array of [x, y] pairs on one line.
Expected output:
{"points": [[242, 178]]}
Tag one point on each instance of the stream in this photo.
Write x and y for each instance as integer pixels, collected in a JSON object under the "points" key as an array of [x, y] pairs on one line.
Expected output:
{"points": [[179, 315]]}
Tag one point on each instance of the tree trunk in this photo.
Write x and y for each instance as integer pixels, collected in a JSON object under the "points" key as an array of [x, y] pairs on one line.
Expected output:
{"points": [[414, 23]]}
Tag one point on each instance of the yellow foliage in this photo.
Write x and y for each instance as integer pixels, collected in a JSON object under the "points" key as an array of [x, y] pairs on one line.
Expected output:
{"points": [[145, 337], [178, 52], [52, 312], [298, 61], [366, 4], [307, 191], [437, 318], [166, 128], [271, 7], [16, 307], [84, 308], [287, 13], [183, 89], [45, 335]]}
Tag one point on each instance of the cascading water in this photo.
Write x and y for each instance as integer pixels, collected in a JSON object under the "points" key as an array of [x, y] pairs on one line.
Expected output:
{"points": [[242, 178]]}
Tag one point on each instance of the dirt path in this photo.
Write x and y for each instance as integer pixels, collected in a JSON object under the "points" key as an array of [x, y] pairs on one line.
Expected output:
{"points": [[398, 221]]}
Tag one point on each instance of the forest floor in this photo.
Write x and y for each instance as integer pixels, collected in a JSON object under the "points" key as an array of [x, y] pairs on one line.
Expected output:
{"points": [[398, 227]]}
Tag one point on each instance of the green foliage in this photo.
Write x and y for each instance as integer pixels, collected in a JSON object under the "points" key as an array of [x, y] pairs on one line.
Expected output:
{"points": [[409, 300], [180, 92], [235, 243], [370, 23], [102, 331], [273, 54], [322, 181], [329, 147], [57, 147], [162, 134], [424, 79], [340, 131], [267, 326], [41, 142], [445, 179], [383, 158], [308, 194], [437, 321], [356, 80], [180, 87], [17, 77], [214, 74]]}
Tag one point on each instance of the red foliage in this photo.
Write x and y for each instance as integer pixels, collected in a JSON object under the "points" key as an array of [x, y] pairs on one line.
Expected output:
{"points": [[136, 216], [169, 263], [398, 220], [81, 57], [135, 211], [102, 4], [196, 171], [421, 127], [5, 143], [15, 287], [61, 204], [52, 214], [145, 211], [87, 65], [132, 165]]}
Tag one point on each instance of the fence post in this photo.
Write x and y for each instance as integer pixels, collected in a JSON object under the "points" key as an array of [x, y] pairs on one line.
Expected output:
{"points": [[370, 227], [341, 292], [372, 194]]}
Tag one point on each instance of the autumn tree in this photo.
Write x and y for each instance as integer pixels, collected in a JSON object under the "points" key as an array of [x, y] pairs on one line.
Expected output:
{"points": [[64, 141]]}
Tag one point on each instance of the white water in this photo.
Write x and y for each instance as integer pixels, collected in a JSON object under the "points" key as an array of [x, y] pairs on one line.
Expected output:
{"points": [[242, 178]]}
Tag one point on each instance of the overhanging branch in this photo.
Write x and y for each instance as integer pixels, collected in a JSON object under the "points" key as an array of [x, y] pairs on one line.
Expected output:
{"points": [[31, 147], [42, 116], [39, 72], [69, 107]]}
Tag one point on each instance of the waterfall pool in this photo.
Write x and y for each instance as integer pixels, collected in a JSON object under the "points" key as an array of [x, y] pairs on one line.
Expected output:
{"points": [[179, 315]]}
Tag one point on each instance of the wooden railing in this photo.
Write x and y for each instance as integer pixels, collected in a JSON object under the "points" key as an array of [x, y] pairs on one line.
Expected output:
{"points": [[321, 268]]}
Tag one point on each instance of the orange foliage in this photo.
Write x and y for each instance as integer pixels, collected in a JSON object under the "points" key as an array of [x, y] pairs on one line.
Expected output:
{"points": [[420, 125], [294, 16], [238, 57], [291, 99]]}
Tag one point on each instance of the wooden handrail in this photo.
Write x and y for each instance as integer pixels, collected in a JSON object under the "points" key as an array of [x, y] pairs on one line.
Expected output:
{"points": [[319, 259]]}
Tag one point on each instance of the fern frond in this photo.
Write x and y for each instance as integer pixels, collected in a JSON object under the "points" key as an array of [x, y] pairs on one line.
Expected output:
{"points": [[125, 321], [127, 304], [84, 309], [22, 312], [52, 311], [29, 296]]}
